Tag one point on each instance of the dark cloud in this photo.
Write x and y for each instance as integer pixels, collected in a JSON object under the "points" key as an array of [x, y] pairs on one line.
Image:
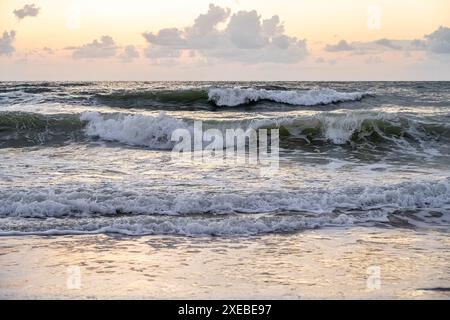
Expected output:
{"points": [[29, 10], [340, 46]]}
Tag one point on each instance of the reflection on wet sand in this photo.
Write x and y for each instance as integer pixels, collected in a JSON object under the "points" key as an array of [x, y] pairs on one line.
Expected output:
{"points": [[334, 263]]}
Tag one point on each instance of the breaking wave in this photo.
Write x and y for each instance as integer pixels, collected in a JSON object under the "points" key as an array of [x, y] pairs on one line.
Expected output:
{"points": [[88, 210], [327, 128], [201, 98], [355, 128], [154, 132], [138, 130], [232, 97]]}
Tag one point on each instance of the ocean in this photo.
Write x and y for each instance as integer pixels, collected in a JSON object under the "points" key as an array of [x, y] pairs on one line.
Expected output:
{"points": [[82, 158]]}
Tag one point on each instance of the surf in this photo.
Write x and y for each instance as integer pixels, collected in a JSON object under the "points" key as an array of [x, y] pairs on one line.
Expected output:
{"points": [[232, 97], [354, 129]]}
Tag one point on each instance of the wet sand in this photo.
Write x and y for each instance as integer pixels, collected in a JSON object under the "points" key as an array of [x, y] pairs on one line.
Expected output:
{"points": [[354, 263]]}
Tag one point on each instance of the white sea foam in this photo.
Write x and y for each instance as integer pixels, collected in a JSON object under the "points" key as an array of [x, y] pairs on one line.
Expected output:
{"points": [[154, 132], [156, 225], [87, 201], [232, 97], [335, 127], [340, 128]]}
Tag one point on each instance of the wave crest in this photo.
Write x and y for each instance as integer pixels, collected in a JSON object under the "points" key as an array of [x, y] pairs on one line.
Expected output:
{"points": [[354, 128], [139, 130], [357, 128], [232, 97]]}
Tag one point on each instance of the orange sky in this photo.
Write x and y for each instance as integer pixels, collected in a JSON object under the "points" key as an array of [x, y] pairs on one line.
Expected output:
{"points": [[73, 23]]}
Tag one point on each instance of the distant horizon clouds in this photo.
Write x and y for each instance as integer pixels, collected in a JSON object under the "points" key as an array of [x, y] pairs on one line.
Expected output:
{"points": [[437, 42]]}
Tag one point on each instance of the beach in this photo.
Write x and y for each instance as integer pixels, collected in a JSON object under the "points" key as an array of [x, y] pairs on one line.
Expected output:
{"points": [[331, 264]]}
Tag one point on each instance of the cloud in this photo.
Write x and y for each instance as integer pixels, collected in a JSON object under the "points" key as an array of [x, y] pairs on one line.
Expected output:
{"points": [[245, 37], [364, 47], [245, 31], [48, 50], [6, 43], [97, 49], [374, 60], [129, 54], [206, 23], [377, 46], [29, 10], [388, 44], [161, 52], [439, 41], [166, 37], [202, 34], [340, 46], [320, 60]]}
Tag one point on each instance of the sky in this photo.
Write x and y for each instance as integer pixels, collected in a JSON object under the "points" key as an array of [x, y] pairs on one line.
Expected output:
{"points": [[225, 40]]}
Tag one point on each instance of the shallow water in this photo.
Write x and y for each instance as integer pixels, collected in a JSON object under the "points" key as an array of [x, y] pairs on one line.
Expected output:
{"points": [[353, 263]]}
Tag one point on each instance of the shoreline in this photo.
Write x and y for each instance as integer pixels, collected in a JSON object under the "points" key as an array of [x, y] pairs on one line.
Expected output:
{"points": [[338, 263]]}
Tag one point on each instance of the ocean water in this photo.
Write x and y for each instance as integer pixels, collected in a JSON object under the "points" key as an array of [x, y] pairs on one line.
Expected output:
{"points": [[93, 158]]}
